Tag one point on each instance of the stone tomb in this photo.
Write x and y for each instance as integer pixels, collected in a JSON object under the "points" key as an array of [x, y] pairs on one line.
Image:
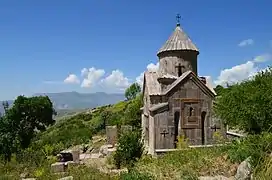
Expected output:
{"points": [[66, 158], [111, 132]]}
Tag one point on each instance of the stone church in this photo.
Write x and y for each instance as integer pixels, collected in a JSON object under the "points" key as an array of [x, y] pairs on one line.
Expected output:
{"points": [[176, 100]]}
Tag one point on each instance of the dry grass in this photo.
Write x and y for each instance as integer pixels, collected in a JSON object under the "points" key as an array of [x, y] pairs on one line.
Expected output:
{"points": [[264, 170], [189, 164]]}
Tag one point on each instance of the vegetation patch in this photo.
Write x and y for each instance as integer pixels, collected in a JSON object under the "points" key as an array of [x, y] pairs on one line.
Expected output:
{"points": [[189, 163]]}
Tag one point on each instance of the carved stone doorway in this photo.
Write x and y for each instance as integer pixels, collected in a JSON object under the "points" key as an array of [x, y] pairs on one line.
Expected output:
{"points": [[176, 124], [203, 117]]}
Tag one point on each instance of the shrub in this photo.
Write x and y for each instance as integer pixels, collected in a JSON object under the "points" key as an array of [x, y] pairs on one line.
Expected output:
{"points": [[256, 146], [182, 142], [129, 149], [248, 105]]}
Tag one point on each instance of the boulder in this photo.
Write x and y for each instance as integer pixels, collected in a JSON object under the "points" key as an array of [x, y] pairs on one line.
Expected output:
{"points": [[244, 170]]}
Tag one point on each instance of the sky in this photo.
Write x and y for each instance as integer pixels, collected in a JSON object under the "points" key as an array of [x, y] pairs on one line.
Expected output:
{"points": [[94, 46]]}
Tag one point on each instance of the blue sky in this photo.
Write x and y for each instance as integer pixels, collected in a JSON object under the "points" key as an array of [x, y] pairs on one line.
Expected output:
{"points": [[42, 42]]}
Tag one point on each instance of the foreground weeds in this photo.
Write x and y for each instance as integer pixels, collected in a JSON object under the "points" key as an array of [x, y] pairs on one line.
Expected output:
{"points": [[189, 164]]}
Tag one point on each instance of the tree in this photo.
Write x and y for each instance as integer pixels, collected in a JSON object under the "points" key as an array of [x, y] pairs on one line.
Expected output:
{"points": [[132, 114], [8, 140], [219, 89], [23, 120], [248, 105], [132, 91]]}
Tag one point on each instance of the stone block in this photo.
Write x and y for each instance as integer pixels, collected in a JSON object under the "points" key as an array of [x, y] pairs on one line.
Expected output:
{"points": [[75, 154], [58, 167], [67, 178], [111, 132]]}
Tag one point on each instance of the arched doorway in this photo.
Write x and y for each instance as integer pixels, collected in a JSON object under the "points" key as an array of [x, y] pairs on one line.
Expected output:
{"points": [[203, 117], [176, 124]]}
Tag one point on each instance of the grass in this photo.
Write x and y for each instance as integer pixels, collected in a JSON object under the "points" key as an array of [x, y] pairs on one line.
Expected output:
{"points": [[189, 164]]}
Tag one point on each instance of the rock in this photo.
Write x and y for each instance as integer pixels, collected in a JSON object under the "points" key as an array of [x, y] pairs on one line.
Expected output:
{"points": [[67, 178], [57, 167], [244, 170], [100, 155], [213, 178], [104, 150], [23, 175]]}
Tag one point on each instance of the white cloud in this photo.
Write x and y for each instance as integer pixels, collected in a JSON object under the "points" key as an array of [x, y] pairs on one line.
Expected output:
{"points": [[140, 79], [72, 79], [153, 67], [91, 76], [116, 81], [209, 81], [236, 74], [241, 72], [262, 58], [246, 42], [149, 67]]}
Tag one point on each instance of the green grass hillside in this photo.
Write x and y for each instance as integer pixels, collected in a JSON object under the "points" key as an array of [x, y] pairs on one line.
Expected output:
{"points": [[67, 132]]}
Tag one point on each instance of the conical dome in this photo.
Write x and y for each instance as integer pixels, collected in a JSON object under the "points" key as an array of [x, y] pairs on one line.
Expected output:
{"points": [[178, 41]]}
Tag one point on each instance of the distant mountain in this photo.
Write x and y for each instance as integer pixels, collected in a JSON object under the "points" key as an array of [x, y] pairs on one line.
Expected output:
{"points": [[75, 100]]}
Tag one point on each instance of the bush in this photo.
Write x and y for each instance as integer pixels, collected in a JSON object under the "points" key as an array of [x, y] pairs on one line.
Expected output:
{"points": [[256, 146], [248, 105], [129, 149]]}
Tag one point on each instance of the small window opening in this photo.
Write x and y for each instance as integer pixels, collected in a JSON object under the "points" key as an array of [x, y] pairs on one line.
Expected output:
{"points": [[179, 71], [191, 111]]}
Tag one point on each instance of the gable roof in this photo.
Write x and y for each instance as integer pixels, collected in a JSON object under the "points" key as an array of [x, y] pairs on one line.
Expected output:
{"points": [[198, 82], [178, 41], [151, 83]]}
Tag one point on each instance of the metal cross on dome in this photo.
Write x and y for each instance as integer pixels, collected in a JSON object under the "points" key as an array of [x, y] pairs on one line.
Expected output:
{"points": [[178, 17]]}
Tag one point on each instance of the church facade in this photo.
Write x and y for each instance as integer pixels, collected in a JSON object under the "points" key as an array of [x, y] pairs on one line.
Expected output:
{"points": [[176, 100]]}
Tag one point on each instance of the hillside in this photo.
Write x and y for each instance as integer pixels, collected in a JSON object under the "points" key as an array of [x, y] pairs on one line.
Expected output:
{"points": [[74, 101], [84, 128]]}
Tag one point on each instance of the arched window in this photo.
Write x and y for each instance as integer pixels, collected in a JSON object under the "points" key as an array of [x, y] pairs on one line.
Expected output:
{"points": [[191, 111]]}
